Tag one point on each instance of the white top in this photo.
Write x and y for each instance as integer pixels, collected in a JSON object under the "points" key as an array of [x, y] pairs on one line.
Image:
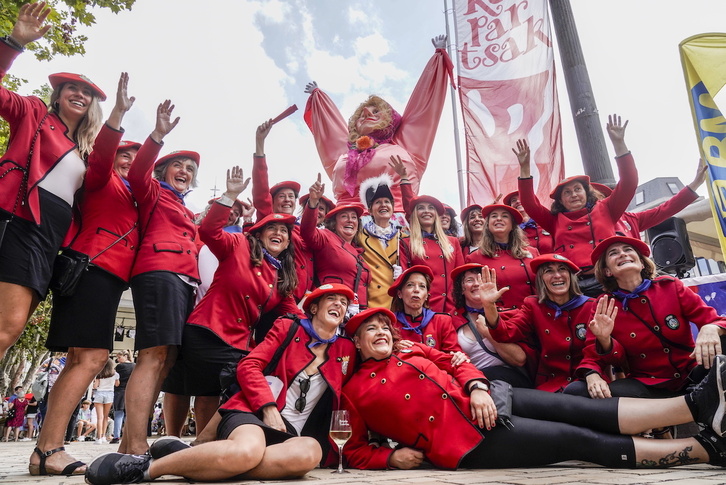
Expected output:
{"points": [[66, 177], [479, 357], [317, 388], [108, 383]]}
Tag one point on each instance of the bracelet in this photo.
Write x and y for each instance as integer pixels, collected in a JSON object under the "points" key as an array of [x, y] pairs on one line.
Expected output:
{"points": [[225, 201], [8, 39]]}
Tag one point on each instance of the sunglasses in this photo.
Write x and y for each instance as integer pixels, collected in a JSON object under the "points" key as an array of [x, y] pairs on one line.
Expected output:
{"points": [[302, 401]]}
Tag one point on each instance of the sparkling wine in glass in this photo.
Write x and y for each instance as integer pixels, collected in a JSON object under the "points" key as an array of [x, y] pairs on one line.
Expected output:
{"points": [[340, 432]]}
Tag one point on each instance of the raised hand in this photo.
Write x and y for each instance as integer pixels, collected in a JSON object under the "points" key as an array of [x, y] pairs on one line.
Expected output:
{"points": [[397, 166], [236, 183], [123, 102], [439, 41], [310, 87], [262, 131], [700, 176], [522, 153], [163, 121], [248, 209], [616, 132], [603, 321], [29, 26], [487, 282], [316, 192]]}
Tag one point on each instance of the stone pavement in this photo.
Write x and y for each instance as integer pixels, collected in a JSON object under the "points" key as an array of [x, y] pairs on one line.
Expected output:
{"points": [[14, 470]]}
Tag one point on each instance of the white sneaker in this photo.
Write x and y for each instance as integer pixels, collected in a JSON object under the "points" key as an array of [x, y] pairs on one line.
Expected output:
{"points": [[101, 441]]}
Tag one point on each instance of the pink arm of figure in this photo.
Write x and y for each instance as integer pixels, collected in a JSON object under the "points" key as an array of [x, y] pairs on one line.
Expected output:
{"points": [[329, 129]]}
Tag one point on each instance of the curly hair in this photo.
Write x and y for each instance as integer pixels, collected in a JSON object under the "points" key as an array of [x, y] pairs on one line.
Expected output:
{"points": [[286, 277], [384, 109], [88, 128]]}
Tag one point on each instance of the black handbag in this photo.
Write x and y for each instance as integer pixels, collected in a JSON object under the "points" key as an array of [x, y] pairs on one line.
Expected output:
{"points": [[67, 271], [501, 393]]}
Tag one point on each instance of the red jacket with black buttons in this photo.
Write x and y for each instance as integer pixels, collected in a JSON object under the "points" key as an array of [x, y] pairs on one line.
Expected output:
{"points": [[561, 340], [511, 272]]}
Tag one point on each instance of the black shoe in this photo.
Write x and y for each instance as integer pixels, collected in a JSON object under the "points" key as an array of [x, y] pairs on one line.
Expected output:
{"points": [[166, 446], [117, 468], [709, 398], [114, 441], [714, 445]]}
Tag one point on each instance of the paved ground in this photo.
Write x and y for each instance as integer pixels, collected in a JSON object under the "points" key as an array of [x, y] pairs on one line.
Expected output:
{"points": [[14, 470]]}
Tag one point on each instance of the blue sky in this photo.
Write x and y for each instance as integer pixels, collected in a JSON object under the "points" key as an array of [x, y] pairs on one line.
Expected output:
{"points": [[230, 64]]}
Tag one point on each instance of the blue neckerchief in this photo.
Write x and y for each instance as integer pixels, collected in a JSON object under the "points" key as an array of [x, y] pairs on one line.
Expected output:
{"points": [[276, 263], [624, 297], [308, 326], [233, 229], [178, 194], [385, 234], [474, 310], [427, 314], [570, 305], [529, 223], [504, 246], [126, 183], [429, 235]]}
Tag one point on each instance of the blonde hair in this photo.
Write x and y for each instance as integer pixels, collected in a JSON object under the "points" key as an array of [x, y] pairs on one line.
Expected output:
{"points": [[88, 128], [518, 242], [416, 238], [383, 107]]}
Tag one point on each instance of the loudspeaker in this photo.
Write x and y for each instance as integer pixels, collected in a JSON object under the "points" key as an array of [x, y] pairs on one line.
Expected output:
{"points": [[670, 246]]}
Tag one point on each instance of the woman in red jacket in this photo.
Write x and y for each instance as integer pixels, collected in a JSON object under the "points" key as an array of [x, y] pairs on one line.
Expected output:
{"points": [[428, 245], [537, 237], [336, 249], [165, 272], [642, 325], [256, 275], [555, 321], [277, 425], [444, 414], [504, 247], [82, 324], [473, 223], [40, 172], [578, 219], [414, 319]]}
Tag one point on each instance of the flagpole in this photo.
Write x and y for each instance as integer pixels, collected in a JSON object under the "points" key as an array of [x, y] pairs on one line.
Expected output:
{"points": [[457, 143]]}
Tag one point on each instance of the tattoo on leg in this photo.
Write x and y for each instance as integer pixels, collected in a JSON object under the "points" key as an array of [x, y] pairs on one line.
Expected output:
{"points": [[677, 458]]}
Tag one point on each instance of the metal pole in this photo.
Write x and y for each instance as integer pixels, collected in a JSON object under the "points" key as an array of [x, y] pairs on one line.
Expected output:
{"points": [[457, 142], [582, 100]]}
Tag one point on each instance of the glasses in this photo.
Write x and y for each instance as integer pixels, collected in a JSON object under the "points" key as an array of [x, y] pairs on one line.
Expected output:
{"points": [[302, 401]]}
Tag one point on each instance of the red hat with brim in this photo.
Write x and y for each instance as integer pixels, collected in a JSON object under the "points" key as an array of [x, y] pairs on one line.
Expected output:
{"points": [[287, 184], [359, 210], [535, 263], [465, 212], [328, 202], [425, 199], [281, 218], [179, 154], [59, 78], [333, 288], [29, 395], [357, 320], [486, 210], [508, 198], [128, 145], [464, 268], [602, 188], [450, 210], [419, 268], [236, 202], [639, 245], [583, 179]]}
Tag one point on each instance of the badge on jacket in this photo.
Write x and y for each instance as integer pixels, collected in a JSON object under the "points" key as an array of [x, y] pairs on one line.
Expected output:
{"points": [[672, 322], [581, 331], [344, 364], [430, 340]]}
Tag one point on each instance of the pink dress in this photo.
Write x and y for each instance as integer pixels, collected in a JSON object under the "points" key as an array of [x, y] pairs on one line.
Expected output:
{"points": [[412, 141]]}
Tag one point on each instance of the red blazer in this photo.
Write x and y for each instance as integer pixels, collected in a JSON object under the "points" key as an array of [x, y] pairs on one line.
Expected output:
{"points": [[668, 305], [240, 292], [632, 223], [23, 114], [108, 210], [262, 200], [439, 333], [167, 227], [441, 298], [511, 272], [577, 233], [255, 394], [416, 398], [561, 339], [336, 261], [539, 238]]}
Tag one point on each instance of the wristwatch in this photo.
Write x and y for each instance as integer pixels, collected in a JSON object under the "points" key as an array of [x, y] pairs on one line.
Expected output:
{"points": [[479, 385]]}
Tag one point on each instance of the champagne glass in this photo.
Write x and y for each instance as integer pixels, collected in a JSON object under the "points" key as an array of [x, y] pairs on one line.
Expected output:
{"points": [[340, 432]]}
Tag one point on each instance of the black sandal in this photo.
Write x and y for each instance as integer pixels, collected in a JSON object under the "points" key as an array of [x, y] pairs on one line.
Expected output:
{"points": [[40, 468]]}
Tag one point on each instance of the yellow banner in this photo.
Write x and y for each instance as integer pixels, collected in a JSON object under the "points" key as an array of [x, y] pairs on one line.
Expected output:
{"points": [[704, 65]]}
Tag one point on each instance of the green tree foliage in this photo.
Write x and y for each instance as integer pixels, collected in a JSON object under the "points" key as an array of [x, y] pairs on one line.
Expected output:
{"points": [[62, 39]]}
